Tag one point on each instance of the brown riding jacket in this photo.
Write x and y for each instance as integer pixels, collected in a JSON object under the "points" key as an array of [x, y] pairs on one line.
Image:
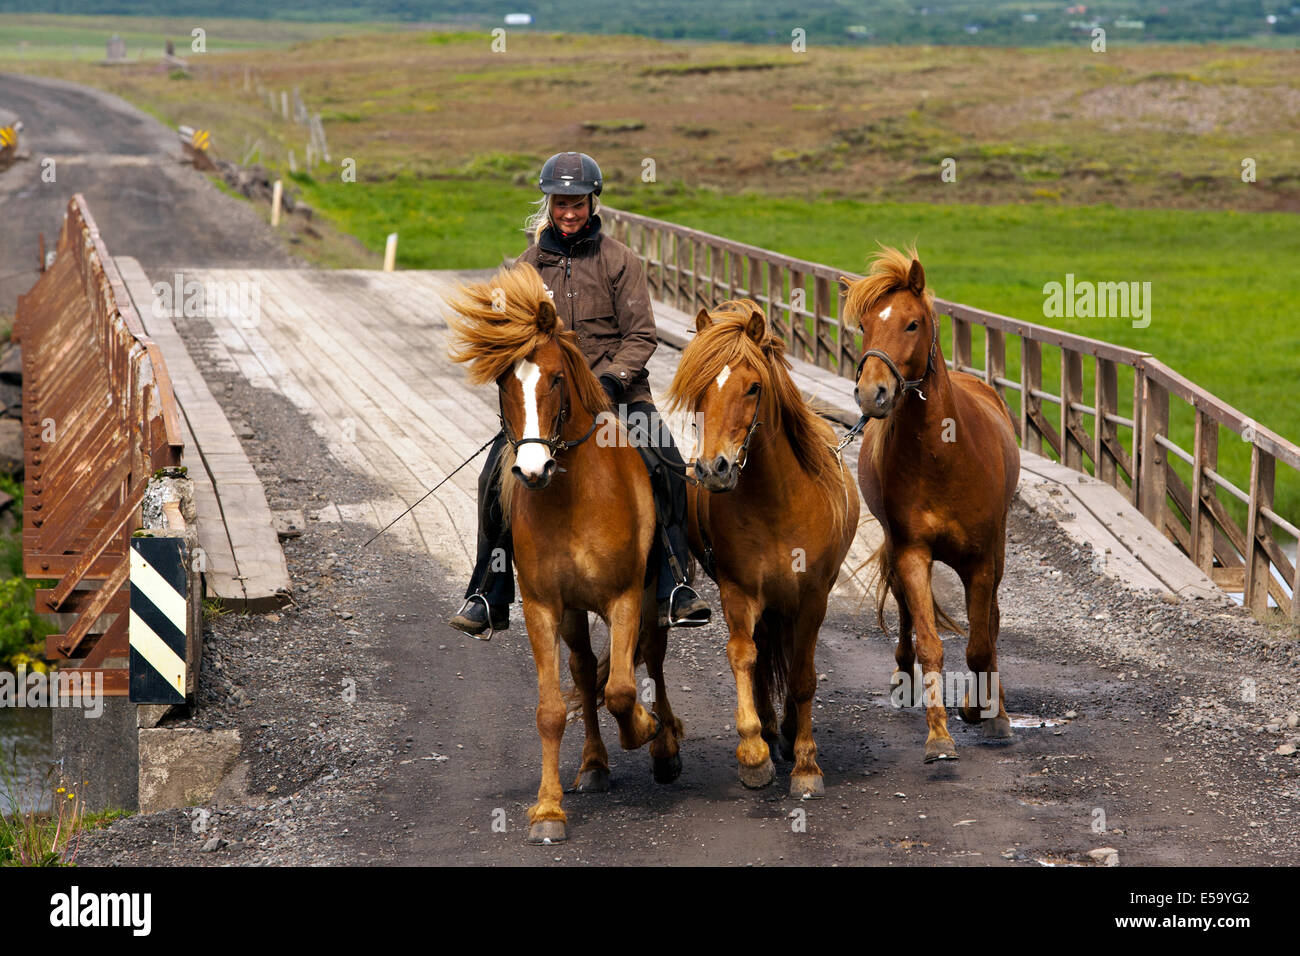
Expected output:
{"points": [[600, 291]]}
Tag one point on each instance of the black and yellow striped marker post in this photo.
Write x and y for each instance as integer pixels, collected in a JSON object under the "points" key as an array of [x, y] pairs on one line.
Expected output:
{"points": [[157, 625], [201, 140], [8, 137]]}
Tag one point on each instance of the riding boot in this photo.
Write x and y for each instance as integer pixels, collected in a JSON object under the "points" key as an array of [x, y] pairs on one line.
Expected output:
{"points": [[491, 588], [679, 604]]}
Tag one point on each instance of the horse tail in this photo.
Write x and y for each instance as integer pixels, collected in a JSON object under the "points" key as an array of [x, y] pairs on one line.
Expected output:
{"points": [[886, 576], [772, 669]]}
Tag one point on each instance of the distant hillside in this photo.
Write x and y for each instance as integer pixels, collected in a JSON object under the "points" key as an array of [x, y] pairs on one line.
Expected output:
{"points": [[985, 22]]}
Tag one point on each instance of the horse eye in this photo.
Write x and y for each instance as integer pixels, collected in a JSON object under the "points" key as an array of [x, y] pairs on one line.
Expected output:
{"points": [[753, 389], [912, 327], [555, 382]]}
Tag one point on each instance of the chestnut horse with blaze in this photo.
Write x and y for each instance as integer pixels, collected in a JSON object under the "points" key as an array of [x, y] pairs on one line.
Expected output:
{"points": [[583, 521], [772, 518], [938, 469]]}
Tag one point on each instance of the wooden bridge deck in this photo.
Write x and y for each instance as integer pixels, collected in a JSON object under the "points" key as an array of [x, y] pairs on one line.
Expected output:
{"points": [[362, 355]]}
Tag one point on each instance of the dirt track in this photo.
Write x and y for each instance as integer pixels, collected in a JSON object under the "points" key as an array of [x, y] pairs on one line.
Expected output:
{"points": [[1162, 743], [146, 203]]}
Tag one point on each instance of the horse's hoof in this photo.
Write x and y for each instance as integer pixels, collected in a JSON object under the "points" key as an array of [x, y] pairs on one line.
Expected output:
{"points": [[997, 727], [807, 786], [592, 781], [756, 778], [940, 749], [667, 769], [546, 832], [787, 749]]}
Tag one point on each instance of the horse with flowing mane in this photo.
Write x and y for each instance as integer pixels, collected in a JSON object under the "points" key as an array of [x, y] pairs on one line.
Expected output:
{"points": [[573, 553], [772, 518], [938, 469]]}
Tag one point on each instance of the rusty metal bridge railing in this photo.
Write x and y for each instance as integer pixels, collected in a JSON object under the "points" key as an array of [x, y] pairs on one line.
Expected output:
{"points": [[99, 419]]}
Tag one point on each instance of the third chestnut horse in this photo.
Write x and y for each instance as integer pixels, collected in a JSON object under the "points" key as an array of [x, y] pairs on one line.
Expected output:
{"points": [[938, 469]]}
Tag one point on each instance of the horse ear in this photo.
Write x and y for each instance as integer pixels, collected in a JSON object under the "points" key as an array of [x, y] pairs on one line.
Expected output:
{"points": [[547, 320], [846, 285], [757, 327], [703, 320], [916, 278]]}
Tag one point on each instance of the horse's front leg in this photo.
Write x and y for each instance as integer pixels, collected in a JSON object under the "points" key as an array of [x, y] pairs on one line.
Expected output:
{"points": [[753, 759], [593, 775], [914, 571], [982, 653], [806, 777], [546, 818], [636, 725]]}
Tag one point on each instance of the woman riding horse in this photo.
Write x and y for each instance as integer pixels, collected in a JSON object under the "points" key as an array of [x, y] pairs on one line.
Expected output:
{"points": [[599, 290]]}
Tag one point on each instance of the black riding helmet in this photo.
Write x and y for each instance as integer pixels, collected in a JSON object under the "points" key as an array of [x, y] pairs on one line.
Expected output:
{"points": [[570, 174]]}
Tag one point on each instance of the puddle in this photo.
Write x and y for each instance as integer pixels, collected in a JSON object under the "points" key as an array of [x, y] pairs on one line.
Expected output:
{"points": [[1029, 721]]}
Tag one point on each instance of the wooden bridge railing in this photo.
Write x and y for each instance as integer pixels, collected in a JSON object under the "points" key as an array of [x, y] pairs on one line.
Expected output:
{"points": [[687, 269]]}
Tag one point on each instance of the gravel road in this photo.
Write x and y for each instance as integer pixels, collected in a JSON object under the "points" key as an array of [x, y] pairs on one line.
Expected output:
{"points": [[1157, 753], [147, 204]]}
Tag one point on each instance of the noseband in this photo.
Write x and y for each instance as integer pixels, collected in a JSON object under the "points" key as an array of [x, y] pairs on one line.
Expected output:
{"points": [[905, 384], [555, 444]]}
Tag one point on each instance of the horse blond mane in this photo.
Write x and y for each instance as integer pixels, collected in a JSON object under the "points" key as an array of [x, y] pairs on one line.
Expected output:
{"points": [[888, 273], [726, 342], [496, 323]]}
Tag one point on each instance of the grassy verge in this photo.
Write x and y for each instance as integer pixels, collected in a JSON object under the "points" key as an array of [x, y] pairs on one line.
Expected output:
{"points": [[22, 630], [30, 837]]}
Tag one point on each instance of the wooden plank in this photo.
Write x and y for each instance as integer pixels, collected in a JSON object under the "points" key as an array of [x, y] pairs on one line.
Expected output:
{"points": [[368, 453], [413, 425]]}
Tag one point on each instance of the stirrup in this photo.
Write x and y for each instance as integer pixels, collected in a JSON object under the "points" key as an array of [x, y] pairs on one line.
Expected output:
{"points": [[487, 609], [684, 621]]}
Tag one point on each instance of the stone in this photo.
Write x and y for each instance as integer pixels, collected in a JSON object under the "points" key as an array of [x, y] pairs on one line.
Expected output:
{"points": [[183, 767], [11, 400], [11, 446], [11, 364], [1105, 855]]}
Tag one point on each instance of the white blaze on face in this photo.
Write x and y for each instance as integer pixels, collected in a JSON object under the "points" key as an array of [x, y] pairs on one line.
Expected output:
{"points": [[885, 312], [723, 376], [531, 458]]}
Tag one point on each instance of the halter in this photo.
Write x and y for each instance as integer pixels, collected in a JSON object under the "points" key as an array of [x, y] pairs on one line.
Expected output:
{"points": [[742, 456], [905, 385], [554, 443]]}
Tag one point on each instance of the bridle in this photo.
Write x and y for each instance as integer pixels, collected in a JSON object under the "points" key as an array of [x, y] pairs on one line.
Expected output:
{"points": [[742, 456], [555, 444], [905, 384]]}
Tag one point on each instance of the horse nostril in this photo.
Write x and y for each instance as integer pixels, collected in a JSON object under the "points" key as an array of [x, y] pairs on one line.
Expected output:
{"points": [[721, 466], [549, 468], [880, 396], [517, 471]]}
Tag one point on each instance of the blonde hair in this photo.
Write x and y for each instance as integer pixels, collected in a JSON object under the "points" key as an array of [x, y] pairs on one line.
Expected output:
{"points": [[540, 217]]}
